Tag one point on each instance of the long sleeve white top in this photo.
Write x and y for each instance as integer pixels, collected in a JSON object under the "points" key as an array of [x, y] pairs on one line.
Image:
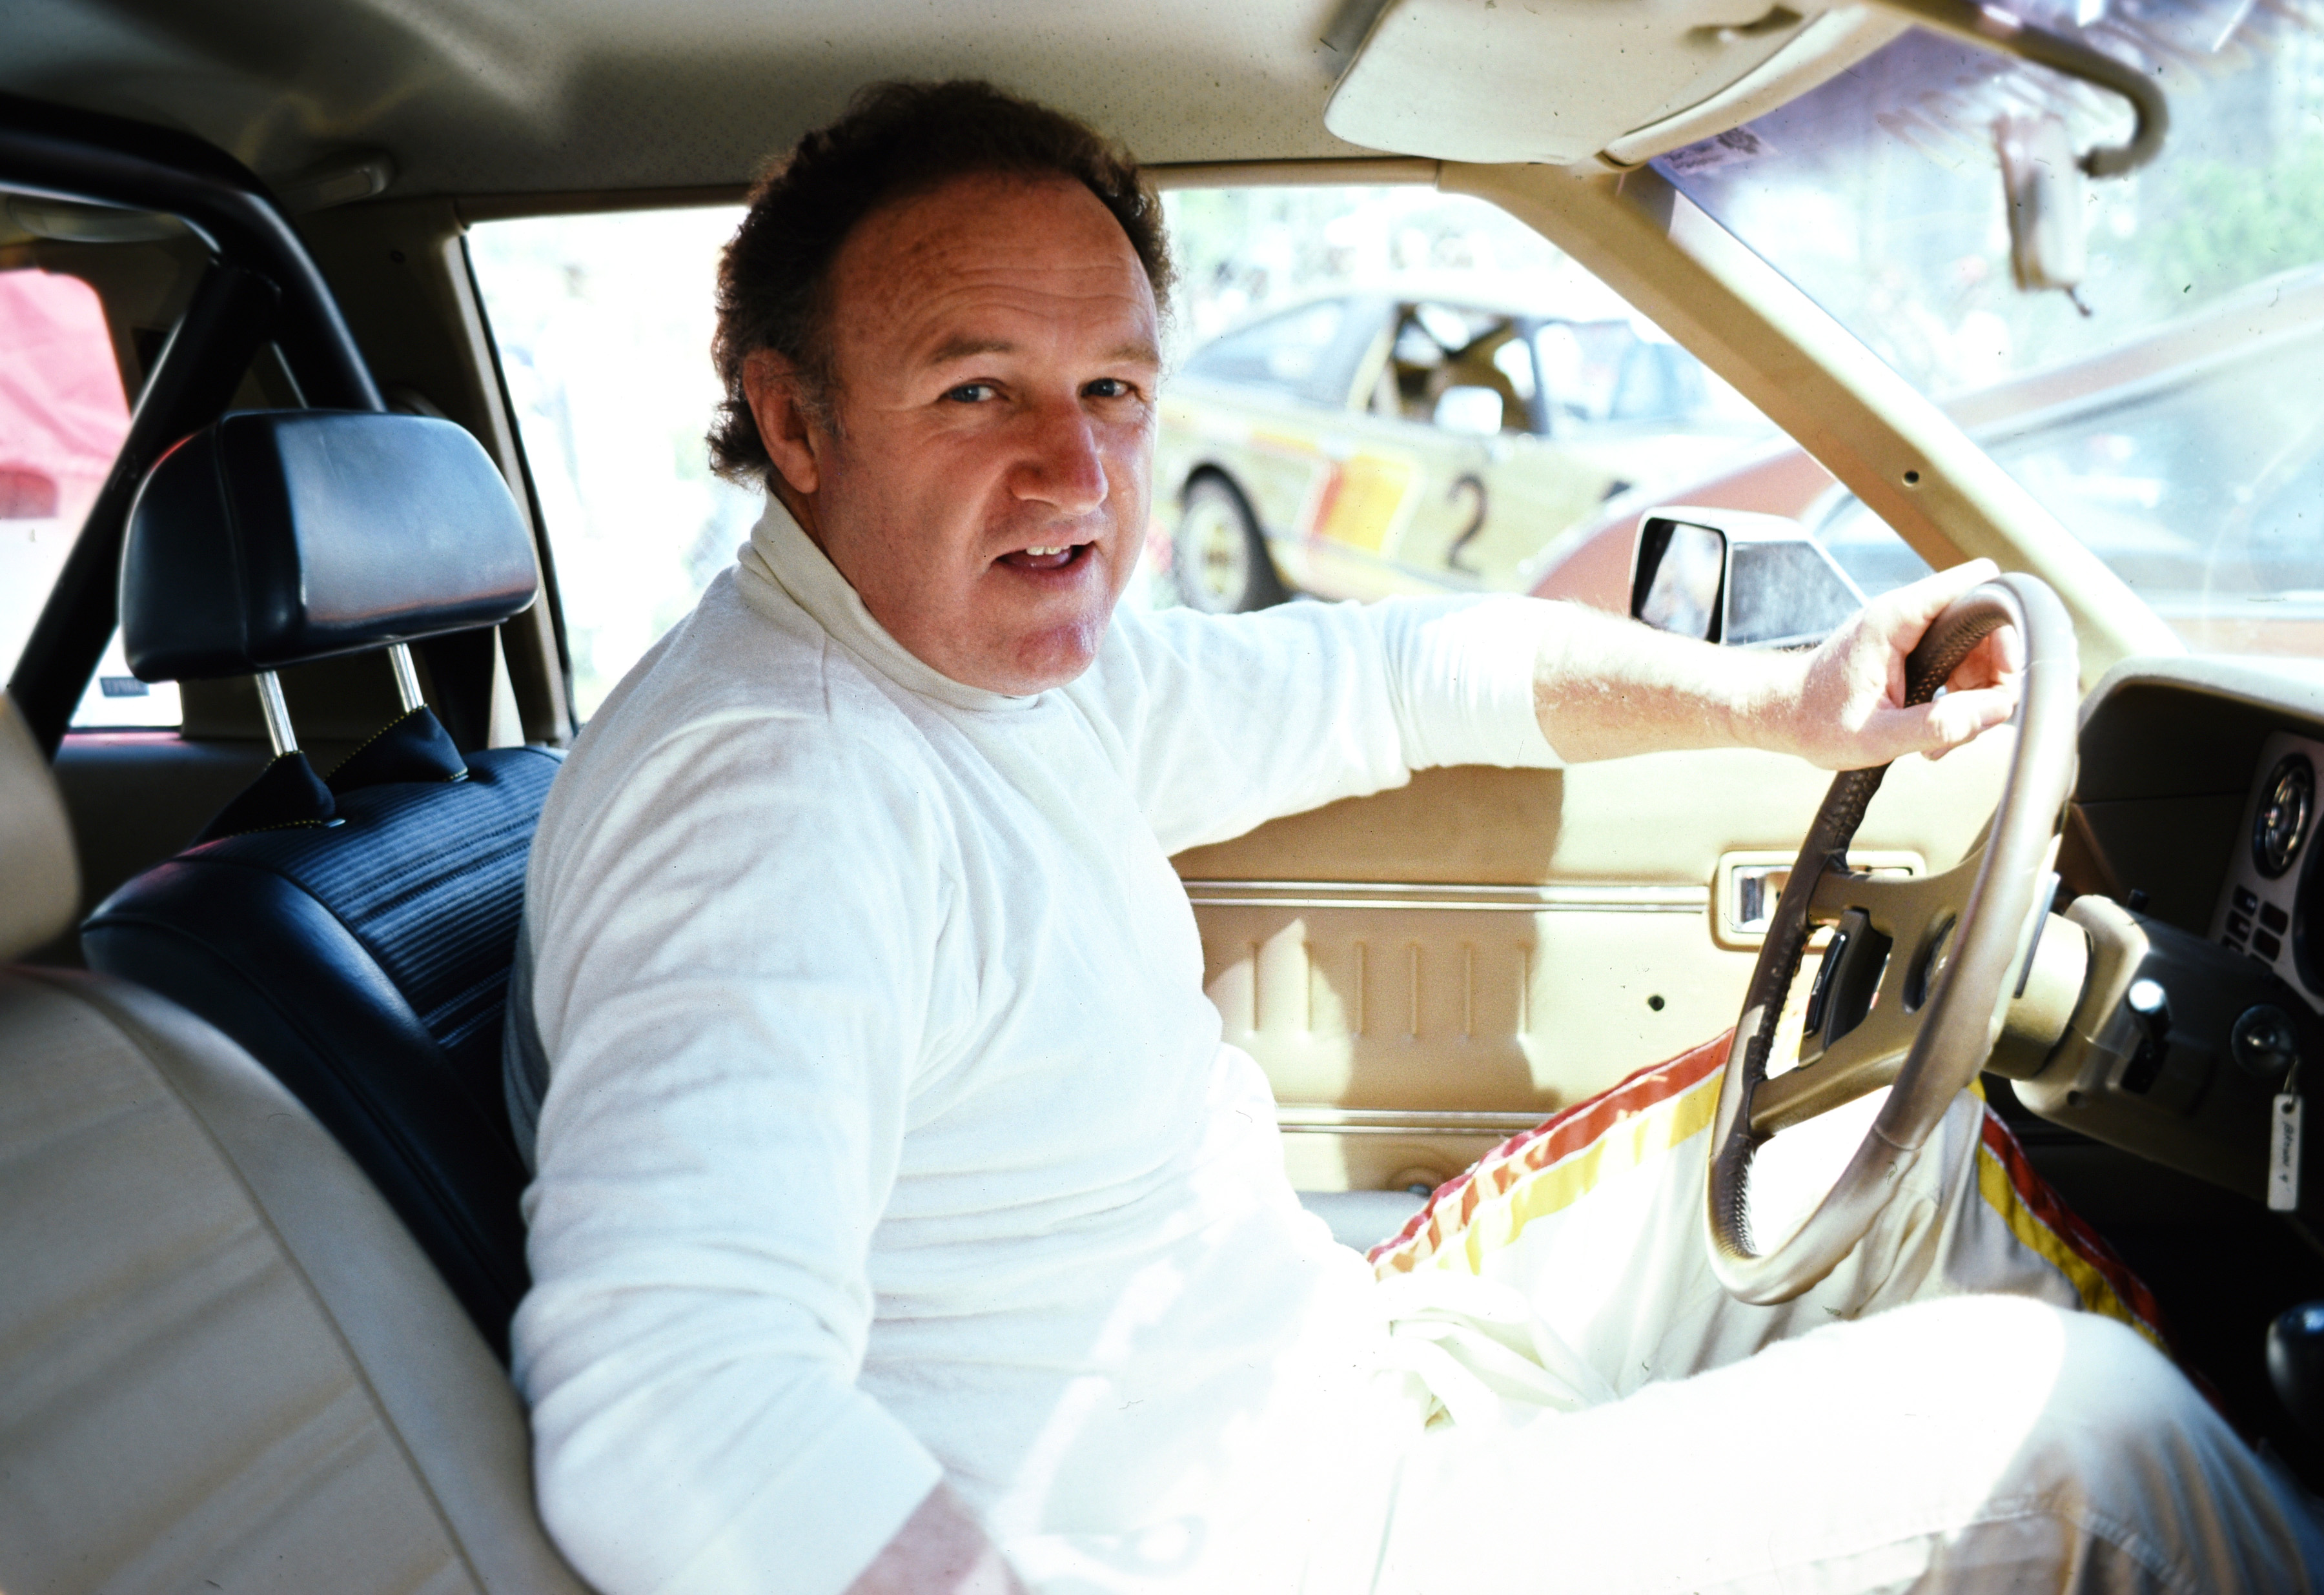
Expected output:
{"points": [[888, 1134]]}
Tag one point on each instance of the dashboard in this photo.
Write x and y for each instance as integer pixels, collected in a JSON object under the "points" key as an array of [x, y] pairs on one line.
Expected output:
{"points": [[2271, 904], [2196, 802], [2188, 867]]}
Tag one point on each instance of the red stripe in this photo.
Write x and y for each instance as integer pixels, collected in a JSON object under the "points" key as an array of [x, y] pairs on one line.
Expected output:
{"points": [[1557, 1138], [2042, 1199], [1452, 1206]]}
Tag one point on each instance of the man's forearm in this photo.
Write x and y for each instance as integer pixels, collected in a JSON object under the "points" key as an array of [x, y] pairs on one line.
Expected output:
{"points": [[1605, 688]]}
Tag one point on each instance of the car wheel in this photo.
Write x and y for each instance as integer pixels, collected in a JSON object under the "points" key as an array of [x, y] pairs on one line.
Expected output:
{"points": [[1218, 556]]}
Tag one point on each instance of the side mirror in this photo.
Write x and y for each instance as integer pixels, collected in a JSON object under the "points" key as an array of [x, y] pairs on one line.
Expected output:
{"points": [[1749, 581], [1472, 411]]}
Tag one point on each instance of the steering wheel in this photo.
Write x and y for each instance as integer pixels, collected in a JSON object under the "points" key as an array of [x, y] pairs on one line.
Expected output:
{"points": [[1921, 971]]}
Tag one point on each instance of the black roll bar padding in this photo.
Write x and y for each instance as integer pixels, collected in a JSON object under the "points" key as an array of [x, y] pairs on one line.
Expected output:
{"points": [[194, 378], [65, 154]]}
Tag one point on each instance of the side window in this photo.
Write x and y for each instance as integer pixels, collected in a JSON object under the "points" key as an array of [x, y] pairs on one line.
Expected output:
{"points": [[1604, 372], [62, 418], [603, 324], [1499, 415], [1657, 383], [1290, 354], [1867, 547], [1581, 364]]}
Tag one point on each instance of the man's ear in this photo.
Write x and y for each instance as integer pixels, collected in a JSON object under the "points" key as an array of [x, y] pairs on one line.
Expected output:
{"points": [[780, 404]]}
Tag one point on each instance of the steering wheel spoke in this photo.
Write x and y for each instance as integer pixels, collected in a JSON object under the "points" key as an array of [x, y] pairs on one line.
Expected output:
{"points": [[1864, 1059], [1901, 907]]}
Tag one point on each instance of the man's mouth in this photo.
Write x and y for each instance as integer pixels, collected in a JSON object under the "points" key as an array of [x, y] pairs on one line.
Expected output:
{"points": [[1047, 557]]}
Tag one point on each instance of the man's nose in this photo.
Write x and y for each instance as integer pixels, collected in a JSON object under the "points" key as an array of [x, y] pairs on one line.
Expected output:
{"points": [[1062, 465]]}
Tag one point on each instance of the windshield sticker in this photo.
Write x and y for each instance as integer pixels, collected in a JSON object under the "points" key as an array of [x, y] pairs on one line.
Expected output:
{"points": [[1716, 153]]}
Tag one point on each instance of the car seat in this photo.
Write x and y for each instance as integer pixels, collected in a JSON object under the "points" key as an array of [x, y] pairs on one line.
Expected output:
{"points": [[353, 935], [223, 1362]]}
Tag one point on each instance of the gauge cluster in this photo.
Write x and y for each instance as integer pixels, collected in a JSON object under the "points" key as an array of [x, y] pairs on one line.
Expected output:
{"points": [[2273, 906]]}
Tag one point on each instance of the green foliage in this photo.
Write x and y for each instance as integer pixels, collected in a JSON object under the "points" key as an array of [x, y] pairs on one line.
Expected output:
{"points": [[2228, 224]]}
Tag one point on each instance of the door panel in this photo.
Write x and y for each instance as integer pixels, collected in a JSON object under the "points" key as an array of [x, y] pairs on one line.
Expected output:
{"points": [[1425, 971]]}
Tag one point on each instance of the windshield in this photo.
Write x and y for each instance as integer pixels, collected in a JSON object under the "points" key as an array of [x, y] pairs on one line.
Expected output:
{"points": [[2169, 411]]}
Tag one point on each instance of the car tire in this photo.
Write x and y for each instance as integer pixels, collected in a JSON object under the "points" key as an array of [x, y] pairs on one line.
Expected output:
{"points": [[1217, 555]]}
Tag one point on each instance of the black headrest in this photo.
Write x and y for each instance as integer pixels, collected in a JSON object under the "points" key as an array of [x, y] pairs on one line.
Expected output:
{"points": [[276, 537]]}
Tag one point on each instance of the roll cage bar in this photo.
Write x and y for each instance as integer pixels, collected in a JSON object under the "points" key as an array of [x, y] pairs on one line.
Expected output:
{"points": [[261, 285]]}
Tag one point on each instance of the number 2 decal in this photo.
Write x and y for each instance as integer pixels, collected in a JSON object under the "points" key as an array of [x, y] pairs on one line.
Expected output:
{"points": [[1471, 482]]}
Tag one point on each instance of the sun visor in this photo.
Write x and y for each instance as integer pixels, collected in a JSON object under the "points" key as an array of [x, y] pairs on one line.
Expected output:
{"points": [[1558, 81], [272, 538]]}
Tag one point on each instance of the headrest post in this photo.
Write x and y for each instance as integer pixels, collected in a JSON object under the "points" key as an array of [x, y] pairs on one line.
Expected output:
{"points": [[278, 714], [407, 679]]}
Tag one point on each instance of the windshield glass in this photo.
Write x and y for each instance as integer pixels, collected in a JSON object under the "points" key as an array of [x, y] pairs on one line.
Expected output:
{"points": [[2169, 410]]}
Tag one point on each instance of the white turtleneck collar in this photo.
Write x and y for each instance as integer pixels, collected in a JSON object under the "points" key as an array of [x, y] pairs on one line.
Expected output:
{"points": [[781, 556]]}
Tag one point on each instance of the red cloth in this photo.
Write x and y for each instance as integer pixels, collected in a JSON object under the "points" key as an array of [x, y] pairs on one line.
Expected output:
{"points": [[62, 412]]}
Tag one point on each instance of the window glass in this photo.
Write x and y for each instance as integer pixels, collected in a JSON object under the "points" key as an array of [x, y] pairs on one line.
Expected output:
{"points": [[1615, 371], [604, 327], [1289, 353], [116, 700], [1245, 252], [1414, 388], [1476, 357], [1875, 558], [62, 418], [2205, 494], [1478, 411], [2163, 411]]}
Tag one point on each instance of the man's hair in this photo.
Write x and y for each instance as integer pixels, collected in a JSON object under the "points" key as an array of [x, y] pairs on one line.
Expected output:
{"points": [[896, 141]]}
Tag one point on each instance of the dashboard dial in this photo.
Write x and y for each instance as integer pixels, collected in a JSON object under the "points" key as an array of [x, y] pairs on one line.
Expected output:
{"points": [[2286, 805]]}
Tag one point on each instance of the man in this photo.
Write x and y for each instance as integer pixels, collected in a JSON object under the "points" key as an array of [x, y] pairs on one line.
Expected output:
{"points": [[900, 1222]]}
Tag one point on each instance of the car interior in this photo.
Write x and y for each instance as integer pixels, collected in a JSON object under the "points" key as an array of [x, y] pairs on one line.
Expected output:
{"points": [[259, 1200], [1437, 348]]}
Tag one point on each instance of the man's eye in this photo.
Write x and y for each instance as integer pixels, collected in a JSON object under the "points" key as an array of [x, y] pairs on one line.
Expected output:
{"points": [[1108, 387], [970, 393]]}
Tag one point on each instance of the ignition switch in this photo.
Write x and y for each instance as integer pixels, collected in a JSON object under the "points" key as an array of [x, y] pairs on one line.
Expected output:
{"points": [[2265, 1042]]}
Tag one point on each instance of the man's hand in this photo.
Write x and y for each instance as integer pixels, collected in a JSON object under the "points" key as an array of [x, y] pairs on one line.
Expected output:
{"points": [[1606, 687], [1850, 711], [941, 1550]]}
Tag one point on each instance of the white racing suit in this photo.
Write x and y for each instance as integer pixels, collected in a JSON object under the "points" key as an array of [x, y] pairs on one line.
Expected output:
{"points": [[1601, 1418]]}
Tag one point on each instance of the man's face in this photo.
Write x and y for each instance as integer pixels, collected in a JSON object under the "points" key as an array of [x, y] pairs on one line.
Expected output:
{"points": [[994, 345]]}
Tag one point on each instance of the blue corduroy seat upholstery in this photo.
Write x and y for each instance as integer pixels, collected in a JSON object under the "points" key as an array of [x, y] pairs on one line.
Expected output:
{"points": [[367, 964]]}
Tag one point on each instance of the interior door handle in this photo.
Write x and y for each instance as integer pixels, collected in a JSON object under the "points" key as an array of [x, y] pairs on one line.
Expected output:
{"points": [[1744, 893]]}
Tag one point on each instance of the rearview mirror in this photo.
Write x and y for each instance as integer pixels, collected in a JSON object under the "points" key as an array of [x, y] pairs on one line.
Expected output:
{"points": [[1473, 411], [1725, 576], [2042, 187]]}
